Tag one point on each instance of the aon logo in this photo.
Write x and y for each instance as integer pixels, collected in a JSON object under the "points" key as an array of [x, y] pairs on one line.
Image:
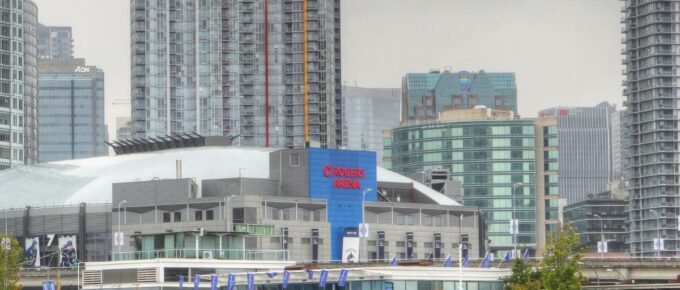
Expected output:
{"points": [[82, 69]]}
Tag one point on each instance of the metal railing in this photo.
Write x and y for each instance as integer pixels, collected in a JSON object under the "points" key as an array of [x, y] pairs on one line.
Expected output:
{"points": [[206, 254]]}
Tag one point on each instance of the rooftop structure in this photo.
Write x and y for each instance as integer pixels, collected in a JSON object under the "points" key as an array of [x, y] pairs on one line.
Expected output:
{"points": [[55, 41], [425, 95]]}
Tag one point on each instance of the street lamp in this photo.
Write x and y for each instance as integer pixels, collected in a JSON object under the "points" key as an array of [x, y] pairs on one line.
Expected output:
{"points": [[623, 278], [514, 219], [658, 234], [119, 241], [363, 221], [601, 234]]}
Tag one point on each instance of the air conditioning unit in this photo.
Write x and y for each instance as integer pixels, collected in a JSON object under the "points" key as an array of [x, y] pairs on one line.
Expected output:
{"points": [[207, 255]]}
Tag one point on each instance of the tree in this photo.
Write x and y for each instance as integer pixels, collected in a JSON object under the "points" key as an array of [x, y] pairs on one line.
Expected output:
{"points": [[560, 267], [558, 270], [10, 263]]}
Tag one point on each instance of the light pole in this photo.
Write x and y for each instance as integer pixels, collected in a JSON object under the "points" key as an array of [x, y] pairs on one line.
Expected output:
{"points": [[601, 235], [460, 252], [119, 240], [514, 219], [363, 222], [658, 234], [240, 181]]}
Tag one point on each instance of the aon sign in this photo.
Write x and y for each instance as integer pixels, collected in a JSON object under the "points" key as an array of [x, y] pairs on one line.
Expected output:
{"points": [[82, 69]]}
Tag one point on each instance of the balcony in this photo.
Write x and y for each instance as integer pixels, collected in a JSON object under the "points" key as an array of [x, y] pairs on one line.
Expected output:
{"points": [[206, 254]]}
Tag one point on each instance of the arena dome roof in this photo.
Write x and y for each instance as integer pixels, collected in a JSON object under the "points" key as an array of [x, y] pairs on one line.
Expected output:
{"points": [[89, 180]]}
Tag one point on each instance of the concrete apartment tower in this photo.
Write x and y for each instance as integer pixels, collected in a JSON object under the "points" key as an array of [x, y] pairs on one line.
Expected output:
{"points": [[55, 41], [18, 83], [651, 91], [266, 73]]}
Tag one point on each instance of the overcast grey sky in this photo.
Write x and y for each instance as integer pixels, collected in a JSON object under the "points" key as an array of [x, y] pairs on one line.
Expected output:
{"points": [[564, 52]]}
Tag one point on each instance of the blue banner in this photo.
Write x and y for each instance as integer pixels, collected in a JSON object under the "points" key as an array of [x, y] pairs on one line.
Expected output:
{"points": [[448, 262], [251, 281], [486, 263], [286, 277], [231, 281], [181, 282], [343, 277], [271, 274], [310, 274], [507, 257], [213, 282], [322, 278], [393, 262], [197, 281], [526, 255]]}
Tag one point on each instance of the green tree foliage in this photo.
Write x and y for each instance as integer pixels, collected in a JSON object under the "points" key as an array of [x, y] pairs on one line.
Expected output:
{"points": [[559, 268], [10, 263]]}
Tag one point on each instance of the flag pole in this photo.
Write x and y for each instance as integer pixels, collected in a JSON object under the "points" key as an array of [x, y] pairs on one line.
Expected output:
{"points": [[460, 266]]}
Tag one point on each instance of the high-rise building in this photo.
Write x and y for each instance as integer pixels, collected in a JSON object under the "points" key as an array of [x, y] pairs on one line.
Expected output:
{"points": [[506, 166], [369, 111], [619, 144], [585, 149], [600, 217], [55, 41], [425, 95], [266, 72], [651, 90], [71, 110], [18, 83], [123, 129]]}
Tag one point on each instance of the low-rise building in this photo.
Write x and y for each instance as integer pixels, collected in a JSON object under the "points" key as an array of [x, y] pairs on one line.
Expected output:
{"points": [[600, 217]]}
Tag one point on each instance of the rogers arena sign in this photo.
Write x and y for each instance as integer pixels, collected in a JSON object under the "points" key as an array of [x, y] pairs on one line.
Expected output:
{"points": [[344, 177]]}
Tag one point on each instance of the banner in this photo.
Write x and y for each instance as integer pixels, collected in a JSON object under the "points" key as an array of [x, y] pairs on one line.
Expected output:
{"points": [[197, 281], [465, 240], [181, 282], [213, 282], [5, 244], [68, 251], [601, 246], [251, 281], [343, 277], [284, 238], [286, 277], [364, 231], [437, 245], [381, 246], [32, 252], [49, 285], [315, 245], [322, 278], [231, 281], [409, 245], [350, 245]]}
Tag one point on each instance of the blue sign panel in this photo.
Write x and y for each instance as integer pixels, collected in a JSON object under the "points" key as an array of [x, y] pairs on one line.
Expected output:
{"points": [[340, 177]]}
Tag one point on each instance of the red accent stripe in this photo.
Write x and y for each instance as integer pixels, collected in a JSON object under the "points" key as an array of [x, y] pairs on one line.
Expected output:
{"points": [[266, 71]]}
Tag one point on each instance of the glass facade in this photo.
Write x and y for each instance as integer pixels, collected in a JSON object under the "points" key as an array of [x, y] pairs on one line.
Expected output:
{"points": [[487, 158], [611, 227], [651, 89], [369, 111], [54, 42], [18, 83], [71, 111], [236, 68], [427, 94]]}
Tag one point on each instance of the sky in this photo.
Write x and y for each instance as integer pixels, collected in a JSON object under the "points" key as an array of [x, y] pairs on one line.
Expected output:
{"points": [[564, 53]]}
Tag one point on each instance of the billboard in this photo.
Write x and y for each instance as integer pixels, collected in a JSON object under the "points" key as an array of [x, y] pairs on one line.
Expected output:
{"points": [[32, 252], [350, 246], [68, 251]]}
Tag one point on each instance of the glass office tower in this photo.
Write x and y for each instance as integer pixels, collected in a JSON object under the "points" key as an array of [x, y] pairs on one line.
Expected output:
{"points": [[18, 83], [424, 95], [71, 110], [651, 89], [237, 68], [55, 41], [493, 159]]}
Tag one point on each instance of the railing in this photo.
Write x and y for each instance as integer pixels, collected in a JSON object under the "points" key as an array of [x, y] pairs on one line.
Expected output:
{"points": [[206, 254]]}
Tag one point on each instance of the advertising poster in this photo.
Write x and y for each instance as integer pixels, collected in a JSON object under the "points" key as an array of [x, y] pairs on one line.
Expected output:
{"points": [[409, 245], [437, 245], [68, 251], [32, 252], [315, 245], [350, 246], [284, 238]]}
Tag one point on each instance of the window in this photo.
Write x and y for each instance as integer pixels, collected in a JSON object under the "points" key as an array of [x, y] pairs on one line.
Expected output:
{"points": [[178, 216], [198, 215], [209, 215], [295, 160], [166, 217]]}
